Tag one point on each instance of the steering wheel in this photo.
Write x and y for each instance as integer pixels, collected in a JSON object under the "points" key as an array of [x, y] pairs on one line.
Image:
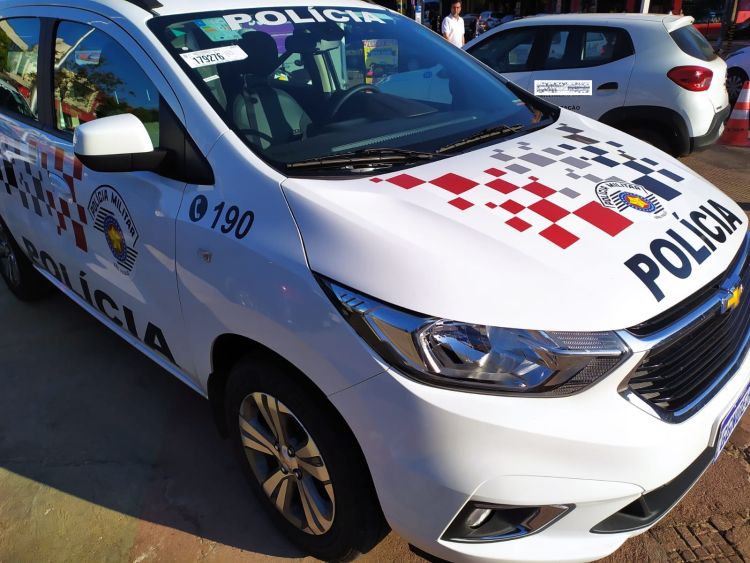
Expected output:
{"points": [[352, 92], [256, 133]]}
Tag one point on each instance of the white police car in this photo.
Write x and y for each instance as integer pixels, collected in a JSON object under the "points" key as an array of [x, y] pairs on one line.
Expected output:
{"points": [[505, 330], [653, 76]]}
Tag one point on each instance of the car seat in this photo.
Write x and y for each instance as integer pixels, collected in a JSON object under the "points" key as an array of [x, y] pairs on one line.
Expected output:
{"points": [[263, 114]]}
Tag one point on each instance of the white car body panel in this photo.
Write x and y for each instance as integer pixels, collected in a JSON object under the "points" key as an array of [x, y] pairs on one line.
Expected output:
{"points": [[601, 100], [371, 225], [259, 287], [517, 233], [604, 452], [740, 59]]}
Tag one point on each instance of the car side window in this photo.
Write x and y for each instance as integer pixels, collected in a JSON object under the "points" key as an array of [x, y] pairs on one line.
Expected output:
{"points": [[507, 51], [579, 47], [95, 77], [561, 41], [605, 46], [19, 50]]}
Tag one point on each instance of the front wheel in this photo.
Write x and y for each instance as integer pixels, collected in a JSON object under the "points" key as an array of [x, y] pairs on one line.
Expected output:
{"points": [[302, 462], [16, 270]]}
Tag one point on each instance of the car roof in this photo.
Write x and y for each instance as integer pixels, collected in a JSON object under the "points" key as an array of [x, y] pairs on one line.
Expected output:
{"points": [[137, 8], [669, 21]]}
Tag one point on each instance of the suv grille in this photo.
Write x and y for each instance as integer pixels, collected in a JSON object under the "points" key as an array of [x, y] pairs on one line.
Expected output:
{"points": [[684, 371]]}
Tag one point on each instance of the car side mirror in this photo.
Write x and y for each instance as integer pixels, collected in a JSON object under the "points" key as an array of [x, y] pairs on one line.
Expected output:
{"points": [[118, 143]]}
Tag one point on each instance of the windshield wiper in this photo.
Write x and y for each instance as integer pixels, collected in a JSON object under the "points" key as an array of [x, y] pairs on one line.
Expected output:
{"points": [[373, 156], [483, 135]]}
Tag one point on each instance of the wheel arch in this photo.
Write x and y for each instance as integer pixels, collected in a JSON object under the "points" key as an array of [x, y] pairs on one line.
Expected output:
{"points": [[227, 350], [651, 117]]}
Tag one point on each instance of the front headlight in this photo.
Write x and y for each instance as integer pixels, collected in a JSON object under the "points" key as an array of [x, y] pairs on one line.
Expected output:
{"points": [[478, 357]]}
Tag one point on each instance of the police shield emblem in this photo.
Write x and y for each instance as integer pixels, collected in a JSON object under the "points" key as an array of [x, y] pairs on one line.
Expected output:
{"points": [[112, 218]]}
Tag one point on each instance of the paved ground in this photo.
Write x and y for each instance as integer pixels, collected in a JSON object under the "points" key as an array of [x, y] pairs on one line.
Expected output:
{"points": [[105, 457]]}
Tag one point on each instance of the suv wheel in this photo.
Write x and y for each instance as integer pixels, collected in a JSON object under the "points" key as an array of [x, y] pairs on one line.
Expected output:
{"points": [[736, 78], [15, 268], [302, 462]]}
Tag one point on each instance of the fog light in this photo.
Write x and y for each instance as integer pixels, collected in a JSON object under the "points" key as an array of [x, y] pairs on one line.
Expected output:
{"points": [[478, 517], [482, 522]]}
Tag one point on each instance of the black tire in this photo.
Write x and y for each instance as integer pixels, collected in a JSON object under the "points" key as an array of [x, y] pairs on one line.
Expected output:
{"points": [[736, 77], [16, 270], [654, 138], [357, 523]]}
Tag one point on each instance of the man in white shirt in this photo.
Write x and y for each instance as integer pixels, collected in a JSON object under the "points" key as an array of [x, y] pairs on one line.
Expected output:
{"points": [[453, 26]]}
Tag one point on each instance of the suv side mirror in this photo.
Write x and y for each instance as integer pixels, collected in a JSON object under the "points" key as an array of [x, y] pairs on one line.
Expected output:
{"points": [[118, 143]]}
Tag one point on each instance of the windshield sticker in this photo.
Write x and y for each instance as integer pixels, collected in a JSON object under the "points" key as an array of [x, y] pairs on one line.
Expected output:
{"points": [[562, 88], [88, 57], [217, 30], [215, 56], [299, 15], [381, 59]]}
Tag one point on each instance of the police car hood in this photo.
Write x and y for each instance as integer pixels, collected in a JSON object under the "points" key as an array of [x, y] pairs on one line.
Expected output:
{"points": [[573, 227]]}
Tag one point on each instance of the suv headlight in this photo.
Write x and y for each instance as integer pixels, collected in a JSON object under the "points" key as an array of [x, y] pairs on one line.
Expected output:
{"points": [[478, 357]]}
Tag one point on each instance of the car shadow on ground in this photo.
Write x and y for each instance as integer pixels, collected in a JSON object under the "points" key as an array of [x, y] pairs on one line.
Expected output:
{"points": [[84, 413]]}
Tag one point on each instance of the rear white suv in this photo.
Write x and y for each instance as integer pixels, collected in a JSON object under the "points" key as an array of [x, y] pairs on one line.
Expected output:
{"points": [[653, 76]]}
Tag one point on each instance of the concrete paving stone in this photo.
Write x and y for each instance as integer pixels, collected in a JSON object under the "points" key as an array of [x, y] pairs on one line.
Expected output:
{"points": [[688, 555], [701, 529], [689, 538], [739, 537], [669, 539], [721, 522]]}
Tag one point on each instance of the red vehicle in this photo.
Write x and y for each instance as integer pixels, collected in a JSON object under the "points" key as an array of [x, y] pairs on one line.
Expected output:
{"points": [[743, 18], [708, 16]]}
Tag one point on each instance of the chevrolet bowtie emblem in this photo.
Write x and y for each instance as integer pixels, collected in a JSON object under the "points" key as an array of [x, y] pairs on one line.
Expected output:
{"points": [[732, 300]]}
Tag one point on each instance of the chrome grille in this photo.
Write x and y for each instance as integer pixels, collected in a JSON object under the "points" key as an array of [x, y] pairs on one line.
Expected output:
{"points": [[687, 367]]}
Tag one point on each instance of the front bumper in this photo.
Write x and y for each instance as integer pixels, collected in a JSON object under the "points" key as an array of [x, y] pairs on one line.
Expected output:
{"points": [[432, 450]]}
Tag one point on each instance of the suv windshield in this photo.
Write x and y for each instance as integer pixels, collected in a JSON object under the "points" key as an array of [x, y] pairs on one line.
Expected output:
{"points": [[299, 84]]}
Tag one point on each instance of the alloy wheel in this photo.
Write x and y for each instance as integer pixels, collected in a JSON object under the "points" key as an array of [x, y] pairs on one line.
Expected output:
{"points": [[8, 260], [287, 463]]}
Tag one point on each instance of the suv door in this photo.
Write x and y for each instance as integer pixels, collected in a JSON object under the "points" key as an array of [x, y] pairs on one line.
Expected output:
{"points": [[510, 53], [25, 205], [122, 262], [573, 56]]}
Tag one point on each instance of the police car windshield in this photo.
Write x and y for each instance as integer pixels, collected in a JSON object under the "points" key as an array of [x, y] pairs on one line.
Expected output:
{"points": [[302, 83]]}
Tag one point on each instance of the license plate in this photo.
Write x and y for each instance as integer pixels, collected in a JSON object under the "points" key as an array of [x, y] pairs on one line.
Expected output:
{"points": [[730, 422]]}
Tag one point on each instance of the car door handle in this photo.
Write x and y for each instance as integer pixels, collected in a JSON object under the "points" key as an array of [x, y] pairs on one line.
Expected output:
{"points": [[609, 86], [59, 185]]}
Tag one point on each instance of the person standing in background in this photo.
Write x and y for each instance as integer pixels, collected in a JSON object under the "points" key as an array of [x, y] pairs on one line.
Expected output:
{"points": [[453, 26]]}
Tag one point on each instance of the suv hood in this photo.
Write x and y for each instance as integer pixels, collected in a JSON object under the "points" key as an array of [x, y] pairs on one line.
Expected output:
{"points": [[574, 227]]}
